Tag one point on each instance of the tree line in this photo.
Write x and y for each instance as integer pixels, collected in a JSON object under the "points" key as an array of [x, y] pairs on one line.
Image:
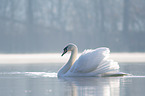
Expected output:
{"points": [[34, 26]]}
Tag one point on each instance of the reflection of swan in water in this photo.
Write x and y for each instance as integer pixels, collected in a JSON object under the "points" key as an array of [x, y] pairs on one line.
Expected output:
{"points": [[90, 63], [92, 86]]}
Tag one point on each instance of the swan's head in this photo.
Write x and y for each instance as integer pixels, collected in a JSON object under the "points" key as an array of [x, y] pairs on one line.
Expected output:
{"points": [[69, 47]]}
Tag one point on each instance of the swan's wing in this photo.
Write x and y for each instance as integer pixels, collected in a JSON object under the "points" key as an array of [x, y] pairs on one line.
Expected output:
{"points": [[90, 60]]}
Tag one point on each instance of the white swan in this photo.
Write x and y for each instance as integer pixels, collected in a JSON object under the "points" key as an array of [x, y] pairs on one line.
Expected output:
{"points": [[90, 63]]}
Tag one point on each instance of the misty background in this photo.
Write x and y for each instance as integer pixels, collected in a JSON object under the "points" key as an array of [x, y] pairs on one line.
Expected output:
{"points": [[39, 26]]}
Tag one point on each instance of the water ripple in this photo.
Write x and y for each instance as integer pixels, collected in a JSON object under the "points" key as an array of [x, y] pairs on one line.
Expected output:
{"points": [[46, 74], [29, 74]]}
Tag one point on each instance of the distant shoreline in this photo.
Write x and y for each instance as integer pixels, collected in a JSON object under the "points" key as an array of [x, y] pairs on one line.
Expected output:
{"points": [[56, 58]]}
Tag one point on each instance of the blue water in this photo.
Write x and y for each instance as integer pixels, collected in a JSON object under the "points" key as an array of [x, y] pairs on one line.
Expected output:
{"points": [[41, 80]]}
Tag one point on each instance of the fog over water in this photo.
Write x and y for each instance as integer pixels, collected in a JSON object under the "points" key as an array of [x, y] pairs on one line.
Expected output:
{"points": [[57, 58]]}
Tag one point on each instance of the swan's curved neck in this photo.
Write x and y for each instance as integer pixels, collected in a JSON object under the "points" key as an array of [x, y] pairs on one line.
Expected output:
{"points": [[73, 56], [70, 62]]}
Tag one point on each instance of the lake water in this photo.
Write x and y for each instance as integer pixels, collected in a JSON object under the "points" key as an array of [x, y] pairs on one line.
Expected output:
{"points": [[40, 79]]}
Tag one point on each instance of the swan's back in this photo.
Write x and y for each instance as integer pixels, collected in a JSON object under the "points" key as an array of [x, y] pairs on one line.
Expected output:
{"points": [[93, 63]]}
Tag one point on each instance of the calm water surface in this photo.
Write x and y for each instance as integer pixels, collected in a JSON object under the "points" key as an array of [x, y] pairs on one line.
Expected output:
{"points": [[41, 80]]}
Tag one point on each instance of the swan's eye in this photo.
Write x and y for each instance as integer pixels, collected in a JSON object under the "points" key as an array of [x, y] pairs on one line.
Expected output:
{"points": [[64, 50]]}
